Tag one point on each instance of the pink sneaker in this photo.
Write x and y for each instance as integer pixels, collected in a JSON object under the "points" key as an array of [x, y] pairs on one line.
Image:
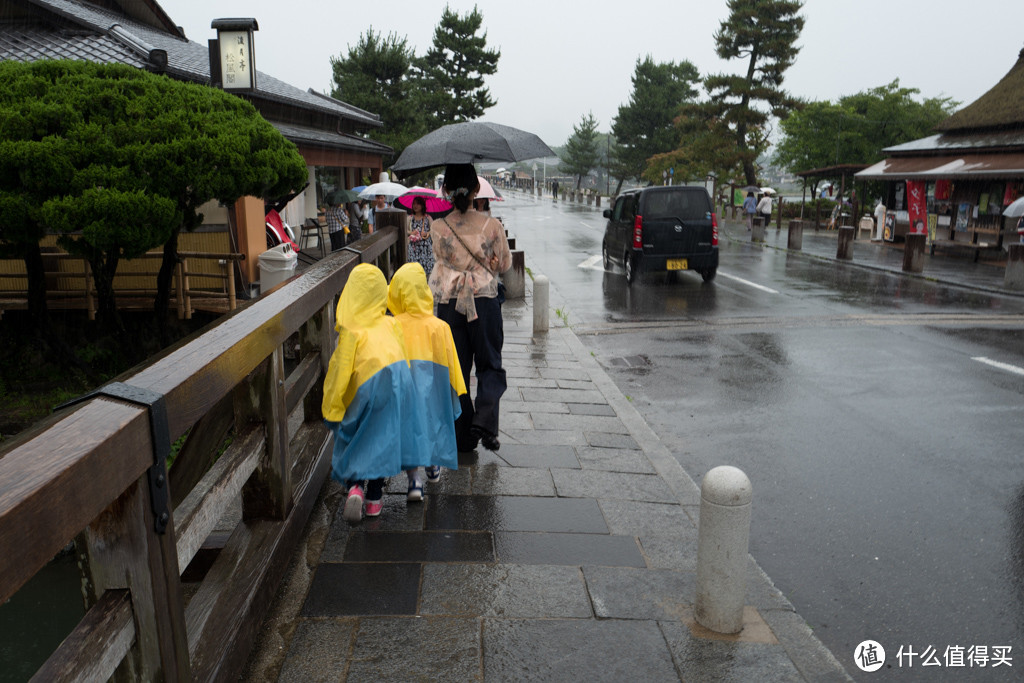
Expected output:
{"points": [[354, 506], [373, 507]]}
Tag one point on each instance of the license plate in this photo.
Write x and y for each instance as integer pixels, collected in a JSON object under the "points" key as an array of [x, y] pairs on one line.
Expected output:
{"points": [[676, 264]]}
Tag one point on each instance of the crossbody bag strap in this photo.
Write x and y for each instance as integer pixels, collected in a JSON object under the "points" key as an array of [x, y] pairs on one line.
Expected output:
{"points": [[466, 247]]}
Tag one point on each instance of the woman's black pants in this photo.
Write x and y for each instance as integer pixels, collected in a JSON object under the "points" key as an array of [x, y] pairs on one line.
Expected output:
{"points": [[478, 343]]}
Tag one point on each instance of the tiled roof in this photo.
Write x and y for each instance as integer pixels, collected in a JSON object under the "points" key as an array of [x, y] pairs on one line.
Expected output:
{"points": [[960, 142], [316, 136], [186, 59]]}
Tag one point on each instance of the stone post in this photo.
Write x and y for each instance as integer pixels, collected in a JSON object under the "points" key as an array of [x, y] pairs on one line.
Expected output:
{"points": [[796, 235], [913, 253], [757, 234], [1014, 278], [844, 252], [541, 286], [723, 538], [515, 277]]}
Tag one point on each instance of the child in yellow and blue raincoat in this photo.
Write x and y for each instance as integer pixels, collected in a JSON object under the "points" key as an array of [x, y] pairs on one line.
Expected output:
{"points": [[369, 399], [436, 375]]}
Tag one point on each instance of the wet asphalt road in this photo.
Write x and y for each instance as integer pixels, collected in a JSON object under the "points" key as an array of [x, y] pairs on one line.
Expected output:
{"points": [[886, 461]]}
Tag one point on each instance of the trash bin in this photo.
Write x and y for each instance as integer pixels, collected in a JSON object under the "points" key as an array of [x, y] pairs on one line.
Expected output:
{"points": [[277, 264]]}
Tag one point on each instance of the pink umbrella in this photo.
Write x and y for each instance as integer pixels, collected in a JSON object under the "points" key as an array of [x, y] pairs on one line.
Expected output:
{"points": [[435, 203], [488, 192]]}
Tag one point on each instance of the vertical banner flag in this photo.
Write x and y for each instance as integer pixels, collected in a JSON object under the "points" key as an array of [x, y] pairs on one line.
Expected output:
{"points": [[917, 207]]}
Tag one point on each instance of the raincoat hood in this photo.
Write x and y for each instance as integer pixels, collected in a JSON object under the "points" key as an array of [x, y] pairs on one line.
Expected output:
{"points": [[364, 299], [409, 293]]}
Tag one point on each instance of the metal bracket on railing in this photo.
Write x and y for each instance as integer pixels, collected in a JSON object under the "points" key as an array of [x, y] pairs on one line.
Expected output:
{"points": [[354, 251], [159, 431]]}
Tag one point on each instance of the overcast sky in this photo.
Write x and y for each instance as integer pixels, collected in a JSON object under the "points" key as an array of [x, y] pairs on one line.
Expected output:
{"points": [[561, 60]]}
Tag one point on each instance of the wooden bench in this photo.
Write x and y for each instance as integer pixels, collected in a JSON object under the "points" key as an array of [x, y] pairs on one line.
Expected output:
{"points": [[981, 239]]}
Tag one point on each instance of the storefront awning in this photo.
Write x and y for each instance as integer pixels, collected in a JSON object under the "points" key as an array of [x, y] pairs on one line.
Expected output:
{"points": [[964, 166]]}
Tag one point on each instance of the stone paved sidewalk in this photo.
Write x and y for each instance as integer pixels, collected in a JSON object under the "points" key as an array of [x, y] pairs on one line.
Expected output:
{"points": [[568, 555]]}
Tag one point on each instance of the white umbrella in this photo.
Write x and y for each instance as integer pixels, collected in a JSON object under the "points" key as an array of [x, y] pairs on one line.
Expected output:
{"points": [[1015, 209], [767, 190], [487, 191], [389, 190]]}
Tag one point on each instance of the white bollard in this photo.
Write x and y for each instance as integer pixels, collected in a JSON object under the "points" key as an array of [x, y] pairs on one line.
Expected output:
{"points": [[541, 285], [723, 539]]}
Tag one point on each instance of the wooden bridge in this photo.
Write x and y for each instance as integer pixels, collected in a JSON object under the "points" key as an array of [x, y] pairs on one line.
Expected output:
{"points": [[95, 473]]}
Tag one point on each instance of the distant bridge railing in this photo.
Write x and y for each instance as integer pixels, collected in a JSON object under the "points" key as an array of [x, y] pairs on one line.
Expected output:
{"points": [[95, 473]]}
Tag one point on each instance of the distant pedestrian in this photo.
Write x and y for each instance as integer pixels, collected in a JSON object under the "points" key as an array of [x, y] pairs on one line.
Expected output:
{"points": [[764, 207], [337, 225], [369, 400], [421, 247], [749, 209]]}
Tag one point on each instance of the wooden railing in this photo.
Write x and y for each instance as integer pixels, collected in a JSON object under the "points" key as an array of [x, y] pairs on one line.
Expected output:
{"points": [[94, 473]]}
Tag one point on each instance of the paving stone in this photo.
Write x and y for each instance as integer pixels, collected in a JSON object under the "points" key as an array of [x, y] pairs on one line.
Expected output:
{"points": [[577, 373], [621, 485], [610, 440], [551, 437], [592, 409], [633, 518], [516, 420], [670, 550], [339, 590], [536, 407], [716, 661], [614, 460], [318, 651], [497, 480], [624, 593], [584, 423], [581, 384], [518, 455], [504, 590], [575, 650], [563, 395], [515, 372], [526, 383], [570, 549], [512, 513], [420, 546], [416, 649]]}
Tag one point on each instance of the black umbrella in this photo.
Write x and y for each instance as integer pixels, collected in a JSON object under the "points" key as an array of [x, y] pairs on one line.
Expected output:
{"points": [[467, 143]]}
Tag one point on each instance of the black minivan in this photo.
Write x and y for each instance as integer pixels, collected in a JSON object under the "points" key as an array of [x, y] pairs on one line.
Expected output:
{"points": [[665, 228]]}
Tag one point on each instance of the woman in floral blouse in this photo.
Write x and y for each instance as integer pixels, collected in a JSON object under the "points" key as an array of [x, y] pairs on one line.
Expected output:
{"points": [[470, 250], [421, 249]]}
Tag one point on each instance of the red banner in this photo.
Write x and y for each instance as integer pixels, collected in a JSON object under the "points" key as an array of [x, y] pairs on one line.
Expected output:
{"points": [[917, 207]]}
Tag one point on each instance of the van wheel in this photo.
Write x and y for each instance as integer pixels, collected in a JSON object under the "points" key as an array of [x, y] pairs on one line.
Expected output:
{"points": [[629, 267], [605, 257], [709, 274]]}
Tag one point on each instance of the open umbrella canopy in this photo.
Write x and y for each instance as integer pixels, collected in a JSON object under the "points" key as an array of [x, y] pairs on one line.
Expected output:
{"points": [[767, 190], [341, 196], [436, 205], [487, 191], [750, 188], [1015, 208], [470, 142], [389, 190]]}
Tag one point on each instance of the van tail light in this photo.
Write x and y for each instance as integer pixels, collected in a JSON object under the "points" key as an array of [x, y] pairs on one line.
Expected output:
{"points": [[638, 232], [714, 230]]}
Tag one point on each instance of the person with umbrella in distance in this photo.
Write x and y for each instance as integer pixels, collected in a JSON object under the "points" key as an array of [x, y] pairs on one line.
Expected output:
{"points": [[749, 209], [421, 247], [470, 250]]}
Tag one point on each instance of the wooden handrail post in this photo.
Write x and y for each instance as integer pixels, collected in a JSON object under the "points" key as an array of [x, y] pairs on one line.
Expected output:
{"points": [[120, 550], [268, 493], [229, 276], [317, 336], [188, 292]]}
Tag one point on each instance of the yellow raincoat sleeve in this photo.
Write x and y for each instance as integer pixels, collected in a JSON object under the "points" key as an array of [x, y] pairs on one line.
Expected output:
{"points": [[454, 368], [339, 389]]}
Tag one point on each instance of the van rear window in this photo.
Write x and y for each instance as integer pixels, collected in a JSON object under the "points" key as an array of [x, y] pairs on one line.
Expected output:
{"points": [[687, 206]]}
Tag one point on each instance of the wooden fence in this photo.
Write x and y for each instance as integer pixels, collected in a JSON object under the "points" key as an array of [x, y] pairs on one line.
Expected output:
{"points": [[96, 473]]}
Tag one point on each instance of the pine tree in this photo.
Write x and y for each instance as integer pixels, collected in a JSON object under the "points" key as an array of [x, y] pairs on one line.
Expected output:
{"points": [[452, 72], [581, 150], [764, 33], [643, 128], [377, 75]]}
